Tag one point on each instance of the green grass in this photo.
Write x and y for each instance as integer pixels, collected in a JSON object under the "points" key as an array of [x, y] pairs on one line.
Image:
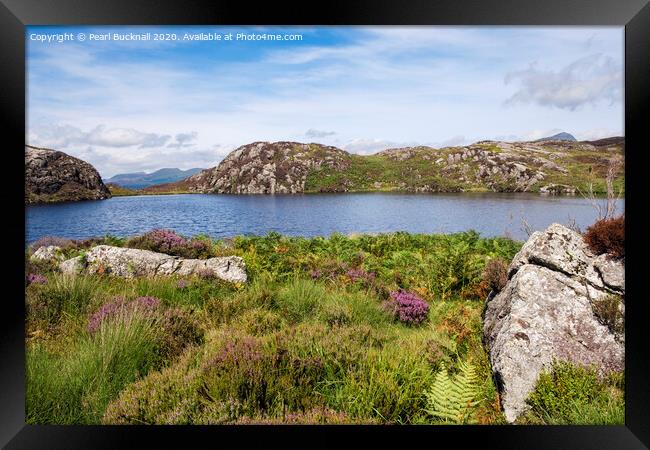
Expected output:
{"points": [[75, 387], [302, 340]]}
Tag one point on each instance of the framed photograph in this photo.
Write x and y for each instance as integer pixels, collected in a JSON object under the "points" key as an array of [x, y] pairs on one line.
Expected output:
{"points": [[379, 220]]}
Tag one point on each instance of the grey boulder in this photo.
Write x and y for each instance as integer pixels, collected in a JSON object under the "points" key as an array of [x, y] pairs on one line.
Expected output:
{"points": [[545, 312], [130, 262]]}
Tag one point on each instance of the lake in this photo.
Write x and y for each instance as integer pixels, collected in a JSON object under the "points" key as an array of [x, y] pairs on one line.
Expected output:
{"points": [[490, 214]]}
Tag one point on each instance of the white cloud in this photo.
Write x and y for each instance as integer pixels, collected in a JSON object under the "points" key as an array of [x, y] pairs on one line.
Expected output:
{"points": [[312, 133], [118, 150], [597, 133], [588, 80], [454, 141], [184, 140], [111, 161], [370, 146], [64, 136]]}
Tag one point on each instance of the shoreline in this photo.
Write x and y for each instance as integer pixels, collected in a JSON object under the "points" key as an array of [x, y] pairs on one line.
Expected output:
{"points": [[598, 195]]}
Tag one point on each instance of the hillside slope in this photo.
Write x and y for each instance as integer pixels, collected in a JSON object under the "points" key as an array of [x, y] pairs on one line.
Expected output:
{"points": [[555, 166]]}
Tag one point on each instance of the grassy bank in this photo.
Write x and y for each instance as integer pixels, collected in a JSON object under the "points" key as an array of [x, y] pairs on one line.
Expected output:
{"points": [[366, 329]]}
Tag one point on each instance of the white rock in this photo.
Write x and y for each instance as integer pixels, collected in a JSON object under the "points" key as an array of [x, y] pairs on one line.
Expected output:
{"points": [[73, 266], [48, 253], [130, 262]]}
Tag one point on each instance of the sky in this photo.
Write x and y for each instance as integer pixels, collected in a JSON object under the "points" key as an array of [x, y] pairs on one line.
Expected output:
{"points": [[130, 106]]}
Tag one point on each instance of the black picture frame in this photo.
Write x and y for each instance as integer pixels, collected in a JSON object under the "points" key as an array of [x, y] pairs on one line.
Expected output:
{"points": [[634, 15]]}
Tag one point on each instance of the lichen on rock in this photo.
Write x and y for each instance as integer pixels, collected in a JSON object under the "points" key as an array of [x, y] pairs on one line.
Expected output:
{"points": [[546, 312], [131, 262]]}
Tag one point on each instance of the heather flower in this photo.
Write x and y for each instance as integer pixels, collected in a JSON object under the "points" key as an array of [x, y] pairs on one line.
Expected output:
{"points": [[361, 275], [34, 278], [118, 304], [238, 352], [206, 274], [182, 284], [145, 303], [179, 330], [199, 247], [316, 274], [47, 241], [105, 311], [167, 241], [408, 307]]}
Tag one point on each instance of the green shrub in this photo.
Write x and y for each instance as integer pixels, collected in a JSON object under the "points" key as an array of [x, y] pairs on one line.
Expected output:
{"points": [[263, 376], [385, 384], [40, 266], [124, 342], [235, 375], [195, 293], [338, 307], [569, 394]]}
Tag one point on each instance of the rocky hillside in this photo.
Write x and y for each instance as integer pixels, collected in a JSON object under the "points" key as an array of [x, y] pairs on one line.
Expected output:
{"points": [[547, 167], [53, 176], [269, 168]]}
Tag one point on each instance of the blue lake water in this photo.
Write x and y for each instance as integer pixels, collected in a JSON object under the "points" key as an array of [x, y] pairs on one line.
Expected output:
{"points": [[308, 215]]}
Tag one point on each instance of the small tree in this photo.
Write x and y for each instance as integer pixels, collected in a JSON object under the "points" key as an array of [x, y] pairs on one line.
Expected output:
{"points": [[605, 210]]}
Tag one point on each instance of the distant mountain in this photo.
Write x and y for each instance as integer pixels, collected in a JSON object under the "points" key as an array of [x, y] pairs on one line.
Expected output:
{"points": [[558, 137], [139, 180], [54, 176]]}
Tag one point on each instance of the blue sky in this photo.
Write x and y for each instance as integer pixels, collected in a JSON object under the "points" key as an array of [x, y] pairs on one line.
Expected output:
{"points": [[127, 106]]}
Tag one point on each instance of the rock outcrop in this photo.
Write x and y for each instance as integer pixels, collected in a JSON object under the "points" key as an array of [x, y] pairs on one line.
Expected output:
{"points": [[268, 168], [53, 176], [546, 311], [557, 189], [130, 262], [47, 253]]}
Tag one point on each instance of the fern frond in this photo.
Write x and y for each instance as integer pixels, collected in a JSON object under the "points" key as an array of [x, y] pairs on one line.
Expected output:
{"points": [[453, 399]]}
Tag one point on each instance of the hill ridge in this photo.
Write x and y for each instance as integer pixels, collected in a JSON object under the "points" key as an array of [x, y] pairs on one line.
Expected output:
{"points": [[265, 167]]}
